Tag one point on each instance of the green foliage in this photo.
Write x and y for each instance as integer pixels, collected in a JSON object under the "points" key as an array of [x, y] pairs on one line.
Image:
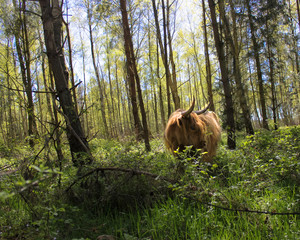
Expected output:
{"points": [[207, 201]]}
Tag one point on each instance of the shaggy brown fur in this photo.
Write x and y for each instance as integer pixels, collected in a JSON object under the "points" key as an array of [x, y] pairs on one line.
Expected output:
{"points": [[200, 131]]}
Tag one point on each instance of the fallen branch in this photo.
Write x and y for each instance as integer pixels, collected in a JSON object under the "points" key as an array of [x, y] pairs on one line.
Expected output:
{"points": [[246, 210], [117, 169]]}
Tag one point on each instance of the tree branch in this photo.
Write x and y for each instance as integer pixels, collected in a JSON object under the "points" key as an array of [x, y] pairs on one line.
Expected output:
{"points": [[246, 210], [117, 169]]}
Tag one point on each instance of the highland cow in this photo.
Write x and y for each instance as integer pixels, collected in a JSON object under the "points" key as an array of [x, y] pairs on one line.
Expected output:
{"points": [[199, 129]]}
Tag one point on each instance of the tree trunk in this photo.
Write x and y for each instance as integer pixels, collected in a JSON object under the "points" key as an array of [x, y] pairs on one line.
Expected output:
{"points": [[233, 44], [101, 90], [196, 87], [130, 123], [230, 124], [11, 131], [298, 11], [133, 74], [173, 82], [160, 96], [71, 67], [113, 120], [297, 55], [21, 120], [258, 68], [153, 88], [85, 117], [133, 99], [48, 96], [166, 61], [164, 54], [207, 60], [28, 87], [253, 93], [52, 22], [25, 60], [119, 100], [39, 102], [55, 122], [271, 77]]}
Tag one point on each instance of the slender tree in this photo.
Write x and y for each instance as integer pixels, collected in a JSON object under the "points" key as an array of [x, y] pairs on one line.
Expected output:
{"points": [[152, 78], [229, 110], [111, 92], [235, 49], [85, 103], [160, 95], [207, 60], [71, 65], [163, 45], [11, 131], [271, 77], [96, 70], [168, 37], [22, 44], [132, 69], [258, 67]]}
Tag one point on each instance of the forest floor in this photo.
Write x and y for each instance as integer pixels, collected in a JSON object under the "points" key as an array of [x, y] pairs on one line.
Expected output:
{"points": [[248, 193]]}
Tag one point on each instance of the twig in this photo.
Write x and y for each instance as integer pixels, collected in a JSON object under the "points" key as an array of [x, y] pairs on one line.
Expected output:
{"points": [[19, 90], [46, 143], [75, 86]]}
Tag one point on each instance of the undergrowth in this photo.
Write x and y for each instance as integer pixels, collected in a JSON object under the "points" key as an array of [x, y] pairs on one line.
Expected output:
{"points": [[245, 193]]}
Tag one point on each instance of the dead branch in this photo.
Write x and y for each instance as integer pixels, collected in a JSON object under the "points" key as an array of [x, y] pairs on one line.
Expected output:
{"points": [[245, 210], [132, 171]]}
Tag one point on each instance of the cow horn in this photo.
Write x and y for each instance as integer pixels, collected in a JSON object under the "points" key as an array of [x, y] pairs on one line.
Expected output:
{"points": [[202, 110], [188, 112]]}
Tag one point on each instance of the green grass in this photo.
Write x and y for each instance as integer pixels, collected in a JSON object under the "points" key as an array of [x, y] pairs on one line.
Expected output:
{"points": [[209, 201]]}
